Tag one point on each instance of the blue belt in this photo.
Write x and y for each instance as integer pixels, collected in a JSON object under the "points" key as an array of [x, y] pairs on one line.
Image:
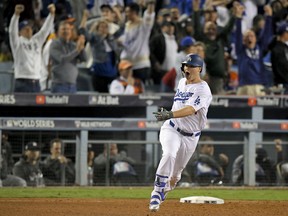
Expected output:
{"points": [[183, 132]]}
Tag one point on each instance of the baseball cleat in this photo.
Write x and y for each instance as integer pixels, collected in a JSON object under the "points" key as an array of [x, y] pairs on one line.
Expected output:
{"points": [[154, 207], [156, 199]]}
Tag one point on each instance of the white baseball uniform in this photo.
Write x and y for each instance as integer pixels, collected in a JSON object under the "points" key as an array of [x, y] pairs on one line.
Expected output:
{"points": [[179, 136], [27, 53]]}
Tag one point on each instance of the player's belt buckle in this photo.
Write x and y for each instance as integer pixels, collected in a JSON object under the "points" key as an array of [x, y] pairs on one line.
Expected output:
{"points": [[183, 132]]}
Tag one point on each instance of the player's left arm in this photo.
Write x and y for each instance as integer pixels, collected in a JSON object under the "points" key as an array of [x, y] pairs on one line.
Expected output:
{"points": [[195, 103], [165, 114], [183, 112]]}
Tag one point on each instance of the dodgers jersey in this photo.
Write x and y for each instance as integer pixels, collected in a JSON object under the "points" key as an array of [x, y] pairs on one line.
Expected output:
{"points": [[197, 95], [27, 53]]}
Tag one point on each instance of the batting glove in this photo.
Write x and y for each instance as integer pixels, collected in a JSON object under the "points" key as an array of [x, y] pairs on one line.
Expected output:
{"points": [[163, 114]]}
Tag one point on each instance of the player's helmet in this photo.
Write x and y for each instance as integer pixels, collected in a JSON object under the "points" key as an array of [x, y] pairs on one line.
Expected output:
{"points": [[192, 60]]}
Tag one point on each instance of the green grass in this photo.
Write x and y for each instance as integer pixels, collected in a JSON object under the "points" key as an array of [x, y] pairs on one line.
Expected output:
{"points": [[144, 193]]}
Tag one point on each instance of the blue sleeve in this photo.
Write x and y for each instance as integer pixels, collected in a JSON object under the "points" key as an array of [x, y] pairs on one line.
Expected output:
{"points": [[267, 33], [239, 38]]}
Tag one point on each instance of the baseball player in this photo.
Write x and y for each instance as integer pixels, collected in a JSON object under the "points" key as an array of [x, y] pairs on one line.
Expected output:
{"points": [[27, 49], [181, 130]]}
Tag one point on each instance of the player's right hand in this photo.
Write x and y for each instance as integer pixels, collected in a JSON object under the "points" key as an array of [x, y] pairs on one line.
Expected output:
{"points": [[19, 8]]}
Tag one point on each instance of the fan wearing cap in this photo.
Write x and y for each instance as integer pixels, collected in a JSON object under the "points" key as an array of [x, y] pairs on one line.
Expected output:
{"points": [[27, 49], [126, 83], [279, 58], [28, 166]]}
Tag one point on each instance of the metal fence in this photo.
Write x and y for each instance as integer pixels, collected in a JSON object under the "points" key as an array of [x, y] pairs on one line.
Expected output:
{"points": [[145, 153], [236, 129]]}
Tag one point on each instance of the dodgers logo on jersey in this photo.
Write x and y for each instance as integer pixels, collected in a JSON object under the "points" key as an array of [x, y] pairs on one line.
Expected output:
{"points": [[182, 96]]}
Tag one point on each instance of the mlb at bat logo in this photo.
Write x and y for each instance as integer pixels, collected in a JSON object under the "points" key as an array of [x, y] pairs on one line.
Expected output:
{"points": [[104, 100]]}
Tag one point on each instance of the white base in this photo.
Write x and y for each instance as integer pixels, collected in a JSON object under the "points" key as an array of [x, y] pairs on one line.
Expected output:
{"points": [[202, 200]]}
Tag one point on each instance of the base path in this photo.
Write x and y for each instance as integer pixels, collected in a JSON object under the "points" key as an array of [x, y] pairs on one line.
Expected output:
{"points": [[135, 207]]}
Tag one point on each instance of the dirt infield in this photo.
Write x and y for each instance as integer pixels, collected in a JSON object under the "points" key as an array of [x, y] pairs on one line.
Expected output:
{"points": [[135, 207]]}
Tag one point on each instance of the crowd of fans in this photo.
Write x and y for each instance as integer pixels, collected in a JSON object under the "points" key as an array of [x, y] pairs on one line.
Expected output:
{"points": [[244, 43]]}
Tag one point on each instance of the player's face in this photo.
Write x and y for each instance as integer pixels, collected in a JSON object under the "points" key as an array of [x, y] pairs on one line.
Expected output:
{"points": [[192, 73]]}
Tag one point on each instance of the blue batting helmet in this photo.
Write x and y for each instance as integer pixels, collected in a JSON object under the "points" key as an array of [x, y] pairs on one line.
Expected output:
{"points": [[193, 60]]}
